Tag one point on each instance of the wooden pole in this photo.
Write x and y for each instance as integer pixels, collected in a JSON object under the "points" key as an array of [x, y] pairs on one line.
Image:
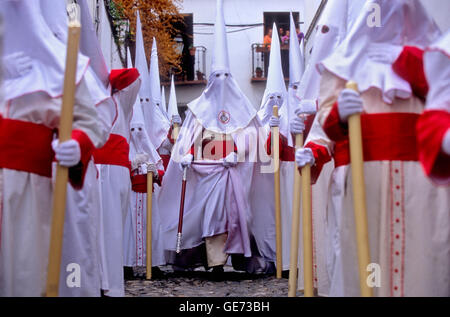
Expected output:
{"points": [[276, 160], [359, 197], [307, 232], [295, 228], [62, 173], [149, 225]]}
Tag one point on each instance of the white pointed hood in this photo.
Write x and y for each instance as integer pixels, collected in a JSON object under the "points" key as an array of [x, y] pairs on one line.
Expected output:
{"points": [[222, 107], [275, 93], [220, 59], [140, 61], [155, 84], [173, 105], [90, 46], [337, 17], [296, 56], [139, 141], [367, 53], [156, 123], [35, 39], [55, 15]]}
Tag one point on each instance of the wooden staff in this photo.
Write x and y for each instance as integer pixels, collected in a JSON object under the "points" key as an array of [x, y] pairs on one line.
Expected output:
{"points": [[276, 159], [359, 196], [62, 173], [295, 228], [307, 232], [149, 224]]}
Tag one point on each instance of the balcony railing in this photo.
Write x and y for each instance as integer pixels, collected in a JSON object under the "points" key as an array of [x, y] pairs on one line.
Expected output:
{"points": [[260, 61], [193, 68]]}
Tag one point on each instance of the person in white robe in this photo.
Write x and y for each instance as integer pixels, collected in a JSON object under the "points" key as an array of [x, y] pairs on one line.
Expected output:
{"points": [[30, 115], [399, 197], [335, 21], [216, 139]]}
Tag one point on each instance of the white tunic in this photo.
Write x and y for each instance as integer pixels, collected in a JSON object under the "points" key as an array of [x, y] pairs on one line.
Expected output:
{"points": [[26, 205], [408, 217]]}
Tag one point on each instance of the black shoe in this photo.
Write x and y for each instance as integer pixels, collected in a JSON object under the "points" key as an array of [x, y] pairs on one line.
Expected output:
{"points": [[157, 273], [128, 273], [217, 273]]}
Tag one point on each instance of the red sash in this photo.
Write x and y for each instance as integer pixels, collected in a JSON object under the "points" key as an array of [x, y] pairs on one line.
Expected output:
{"points": [[26, 146], [115, 152], [385, 136]]}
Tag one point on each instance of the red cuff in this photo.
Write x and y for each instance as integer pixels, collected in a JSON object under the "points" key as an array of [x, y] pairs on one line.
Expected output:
{"points": [[409, 66], [321, 157], [77, 172], [139, 182], [431, 128], [287, 153], [333, 127]]}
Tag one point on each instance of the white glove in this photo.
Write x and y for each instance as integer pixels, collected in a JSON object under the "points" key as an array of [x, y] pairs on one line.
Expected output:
{"points": [[67, 153], [446, 143], [176, 119], [274, 121], [349, 103], [16, 65], [304, 156], [146, 168], [138, 160], [230, 160], [297, 125], [186, 161]]}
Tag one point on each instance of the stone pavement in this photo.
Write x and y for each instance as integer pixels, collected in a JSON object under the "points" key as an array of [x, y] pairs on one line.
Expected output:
{"points": [[198, 283]]}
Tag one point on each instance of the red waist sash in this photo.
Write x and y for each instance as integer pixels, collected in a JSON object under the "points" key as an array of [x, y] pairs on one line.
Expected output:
{"points": [[26, 146], [115, 152], [385, 136]]}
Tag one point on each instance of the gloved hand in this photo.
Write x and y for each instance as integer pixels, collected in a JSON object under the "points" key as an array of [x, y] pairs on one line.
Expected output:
{"points": [[16, 65], [176, 119], [304, 156], [349, 102], [274, 121], [297, 125], [186, 161], [67, 153], [230, 160], [146, 168], [138, 160], [446, 143]]}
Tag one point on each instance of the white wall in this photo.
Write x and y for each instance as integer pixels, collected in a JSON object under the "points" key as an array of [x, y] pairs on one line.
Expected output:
{"points": [[239, 43]]}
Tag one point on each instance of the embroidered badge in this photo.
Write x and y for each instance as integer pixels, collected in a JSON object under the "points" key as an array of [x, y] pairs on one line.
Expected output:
{"points": [[224, 117]]}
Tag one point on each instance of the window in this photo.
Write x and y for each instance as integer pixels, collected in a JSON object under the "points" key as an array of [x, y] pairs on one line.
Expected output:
{"points": [[192, 57], [261, 52]]}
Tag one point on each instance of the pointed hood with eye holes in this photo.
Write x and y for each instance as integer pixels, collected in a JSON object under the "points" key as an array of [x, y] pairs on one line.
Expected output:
{"points": [[156, 123], [139, 141], [222, 107], [367, 53], [275, 93]]}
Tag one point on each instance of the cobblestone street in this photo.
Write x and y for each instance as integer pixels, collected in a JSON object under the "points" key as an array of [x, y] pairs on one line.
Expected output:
{"points": [[199, 284]]}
